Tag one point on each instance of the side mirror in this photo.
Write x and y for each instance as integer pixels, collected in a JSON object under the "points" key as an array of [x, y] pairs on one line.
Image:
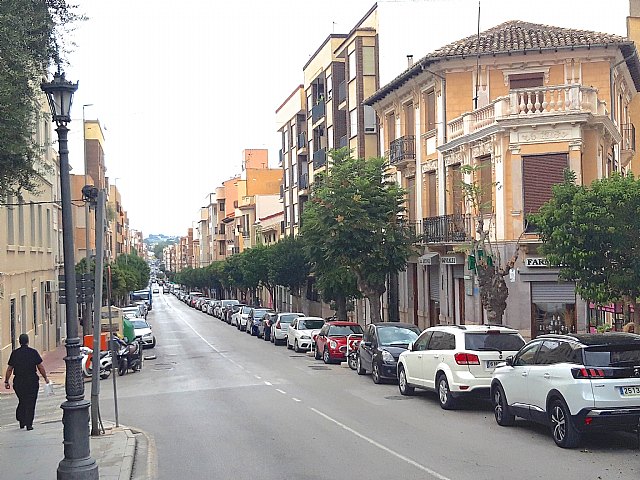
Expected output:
{"points": [[410, 347], [509, 360], [367, 344]]}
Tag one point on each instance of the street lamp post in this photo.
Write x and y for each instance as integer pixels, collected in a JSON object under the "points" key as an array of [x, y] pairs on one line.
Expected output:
{"points": [[77, 462]]}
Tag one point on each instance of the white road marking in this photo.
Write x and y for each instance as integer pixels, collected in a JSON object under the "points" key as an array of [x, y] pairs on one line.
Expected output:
{"points": [[295, 399], [268, 383], [431, 472], [281, 391], [258, 377], [196, 332]]}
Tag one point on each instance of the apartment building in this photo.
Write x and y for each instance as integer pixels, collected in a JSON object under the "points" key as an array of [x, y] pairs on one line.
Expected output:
{"points": [[117, 241], [31, 256], [522, 102], [80, 224]]}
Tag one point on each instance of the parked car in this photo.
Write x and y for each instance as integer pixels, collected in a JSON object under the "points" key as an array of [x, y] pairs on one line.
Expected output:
{"points": [[224, 306], [165, 288], [255, 318], [381, 347], [574, 383], [264, 326], [456, 360], [300, 332], [142, 330], [137, 311], [331, 341], [231, 311], [239, 319], [280, 326]]}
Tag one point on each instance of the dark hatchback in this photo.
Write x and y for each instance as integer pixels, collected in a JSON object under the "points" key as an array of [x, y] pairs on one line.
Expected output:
{"points": [[381, 346]]}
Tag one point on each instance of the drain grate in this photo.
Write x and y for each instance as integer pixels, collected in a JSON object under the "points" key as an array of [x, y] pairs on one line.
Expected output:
{"points": [[318, 367], [396, 397]]}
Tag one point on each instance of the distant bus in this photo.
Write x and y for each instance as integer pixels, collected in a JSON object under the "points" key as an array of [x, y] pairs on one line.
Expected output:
{"points": [[144, 295]]}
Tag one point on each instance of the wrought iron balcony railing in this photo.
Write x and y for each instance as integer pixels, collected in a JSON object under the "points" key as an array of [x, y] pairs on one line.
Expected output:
{"points": [[447, 229], [402, 149]]}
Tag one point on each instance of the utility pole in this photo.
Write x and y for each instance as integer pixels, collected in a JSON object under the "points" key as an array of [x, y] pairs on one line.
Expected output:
{"points": [[86, 322]]}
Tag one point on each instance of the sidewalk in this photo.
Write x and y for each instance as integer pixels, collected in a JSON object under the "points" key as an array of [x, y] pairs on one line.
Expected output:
{"points": [[37, 453]]}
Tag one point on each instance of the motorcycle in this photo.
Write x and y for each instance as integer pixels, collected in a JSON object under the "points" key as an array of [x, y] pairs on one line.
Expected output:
{"points": [[106, 362], [352, 351], [129, 356]]}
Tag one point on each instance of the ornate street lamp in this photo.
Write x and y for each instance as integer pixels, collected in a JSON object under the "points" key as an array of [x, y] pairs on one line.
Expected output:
{"points": [[77, 462]]}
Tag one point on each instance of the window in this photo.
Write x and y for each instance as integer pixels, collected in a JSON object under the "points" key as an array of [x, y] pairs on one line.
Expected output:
{"points": [[390, 126], [493, 341], [35, 312], [486, 184], [370, 121], [368, 60], [10, 222], [353, 123], [442, 341], [352, 65], [20, 223], [526, 80], [456, 189], [32, 223], [432, 194], [329, 85], [537, 187], [409, 124], [423, 341], [330, 137], [40, 225], [556, 351], [430, 110], [527, 355], [49, 227]]}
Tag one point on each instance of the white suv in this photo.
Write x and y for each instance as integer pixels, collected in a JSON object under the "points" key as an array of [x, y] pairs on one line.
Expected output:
{"points": [[456, 360], [575, 383]]}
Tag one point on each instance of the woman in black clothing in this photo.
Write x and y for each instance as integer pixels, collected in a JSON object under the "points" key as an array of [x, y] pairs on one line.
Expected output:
{"points": [[23, 363]]}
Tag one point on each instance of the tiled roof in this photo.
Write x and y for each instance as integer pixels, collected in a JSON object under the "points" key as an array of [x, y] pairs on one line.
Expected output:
{"points": [[516, 36]]}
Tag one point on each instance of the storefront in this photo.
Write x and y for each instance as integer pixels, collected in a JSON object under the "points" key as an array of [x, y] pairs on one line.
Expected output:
{"points": [[431, 262], [606, 317]]}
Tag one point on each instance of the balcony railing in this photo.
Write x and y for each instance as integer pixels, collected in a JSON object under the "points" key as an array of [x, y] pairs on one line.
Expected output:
{"points": [[529, 103], [302, 140], [447, 228], [402, 149], [303, 181], [628, 131], [342, 91], [343, 141], [317, 111], [319, 158]]}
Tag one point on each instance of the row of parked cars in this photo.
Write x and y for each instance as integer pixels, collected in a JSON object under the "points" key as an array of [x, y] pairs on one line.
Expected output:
{"points": [[574, 383]]}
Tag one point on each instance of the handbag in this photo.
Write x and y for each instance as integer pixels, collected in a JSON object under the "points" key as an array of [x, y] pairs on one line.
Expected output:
{"points": [[48, 389]]}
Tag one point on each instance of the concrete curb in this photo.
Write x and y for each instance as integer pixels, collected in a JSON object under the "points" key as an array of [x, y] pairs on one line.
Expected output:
{"points": [[126, 469], [151, 466]]}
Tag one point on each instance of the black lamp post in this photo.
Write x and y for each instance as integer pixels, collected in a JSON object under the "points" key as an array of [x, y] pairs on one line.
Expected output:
{"points": [[77, 462]]}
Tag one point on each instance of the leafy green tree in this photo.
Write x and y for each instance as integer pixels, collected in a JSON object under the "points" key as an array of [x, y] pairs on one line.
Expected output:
{"points": [[290, 265], [32, 38], [354, 216], [159, 247], [593, 234], [137, 271]]}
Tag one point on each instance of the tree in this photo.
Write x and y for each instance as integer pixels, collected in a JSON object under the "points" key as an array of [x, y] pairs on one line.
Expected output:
{"points": [[355, 218], [593, 234], [290, 265], [158, 248], [136, 271], [485, 254], [32, 37]]}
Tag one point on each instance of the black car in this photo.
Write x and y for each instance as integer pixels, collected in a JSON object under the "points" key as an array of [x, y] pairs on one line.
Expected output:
{"points": [[381, 346]]}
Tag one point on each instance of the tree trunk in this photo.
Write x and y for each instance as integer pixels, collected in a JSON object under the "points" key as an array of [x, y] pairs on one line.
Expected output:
{"points": [[493, 292], [373, 294], [341, 308], [394, 301]]}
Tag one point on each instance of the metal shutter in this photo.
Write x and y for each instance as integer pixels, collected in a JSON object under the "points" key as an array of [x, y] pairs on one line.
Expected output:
{"points": [[539, 174], [434, 283], [553, 292]]}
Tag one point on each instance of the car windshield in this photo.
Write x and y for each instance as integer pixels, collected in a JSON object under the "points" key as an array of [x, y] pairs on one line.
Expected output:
{"points": [[389, 336], [493, 341], [288, 318], [310, 324], [612, 356], [139, 324], [246, 310], [229, 302], [344, 330]]}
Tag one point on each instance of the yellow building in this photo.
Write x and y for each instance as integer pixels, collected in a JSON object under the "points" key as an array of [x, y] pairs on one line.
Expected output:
{"points": [[524, 104]]}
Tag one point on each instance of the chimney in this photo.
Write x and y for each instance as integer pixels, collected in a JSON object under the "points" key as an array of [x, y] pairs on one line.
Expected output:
{"points": [[410, 57], [633, 21]]}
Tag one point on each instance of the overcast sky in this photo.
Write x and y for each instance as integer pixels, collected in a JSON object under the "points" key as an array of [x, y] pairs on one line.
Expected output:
{"points": [[182, 87]]}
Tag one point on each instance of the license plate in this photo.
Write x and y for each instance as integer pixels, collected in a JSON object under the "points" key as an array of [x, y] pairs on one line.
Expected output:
{"points": [[494, 363], [632, 391]]}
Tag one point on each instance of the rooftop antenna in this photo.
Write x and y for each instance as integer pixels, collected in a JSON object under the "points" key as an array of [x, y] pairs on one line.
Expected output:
{"points": [[475, 99]]}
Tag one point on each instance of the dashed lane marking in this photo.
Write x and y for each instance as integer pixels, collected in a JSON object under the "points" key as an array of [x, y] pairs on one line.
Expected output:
{"points": [[281, 391]]}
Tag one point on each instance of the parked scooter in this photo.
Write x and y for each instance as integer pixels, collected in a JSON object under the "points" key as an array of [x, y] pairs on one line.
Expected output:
{"points": [[352, 349], [106, 362], [129, 356]]}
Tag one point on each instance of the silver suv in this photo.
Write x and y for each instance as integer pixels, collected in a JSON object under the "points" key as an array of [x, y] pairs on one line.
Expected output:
{"points": [[456, 360]]}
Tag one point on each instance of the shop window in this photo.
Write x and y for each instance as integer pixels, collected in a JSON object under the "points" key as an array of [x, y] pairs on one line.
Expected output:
{"points": [[558, 318]]}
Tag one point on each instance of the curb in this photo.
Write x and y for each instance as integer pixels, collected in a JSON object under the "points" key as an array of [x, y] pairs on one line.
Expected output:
{"points": [[151, 467], [126, 469]]}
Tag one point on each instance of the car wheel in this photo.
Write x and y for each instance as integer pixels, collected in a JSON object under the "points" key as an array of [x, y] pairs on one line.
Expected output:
{"points": [[296, 348], [564, 432], [444, 393], [153, 344], [352, 361], [326, 358], [375, 373], [403, 385], [501, 411], [359, 369], [316, 353], [289, 347]]}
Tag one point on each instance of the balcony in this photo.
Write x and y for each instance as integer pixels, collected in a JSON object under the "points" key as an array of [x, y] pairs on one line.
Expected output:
{"points": [[529, 104], [343, 142], [319, 158], [317, 111], [342, 91], [402, 150], [303, 181], [628, 146], [302, 140], [447, 229]]}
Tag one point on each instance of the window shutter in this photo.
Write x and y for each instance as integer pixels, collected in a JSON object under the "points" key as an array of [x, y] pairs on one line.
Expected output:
{"points": [[539, 174]]}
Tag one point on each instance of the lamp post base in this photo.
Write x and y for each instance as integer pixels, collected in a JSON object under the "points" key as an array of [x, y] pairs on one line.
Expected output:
{"points": [[78, 463]]}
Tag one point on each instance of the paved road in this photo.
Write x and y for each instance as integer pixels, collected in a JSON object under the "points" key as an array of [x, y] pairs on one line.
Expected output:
{"points": [[221, 404]]}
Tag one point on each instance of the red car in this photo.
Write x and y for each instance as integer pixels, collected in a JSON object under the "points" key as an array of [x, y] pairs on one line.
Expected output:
{"points": [[331, 342]]}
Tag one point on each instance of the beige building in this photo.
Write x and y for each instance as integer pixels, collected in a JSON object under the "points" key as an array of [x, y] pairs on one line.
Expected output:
{"points": [[31, 257]]}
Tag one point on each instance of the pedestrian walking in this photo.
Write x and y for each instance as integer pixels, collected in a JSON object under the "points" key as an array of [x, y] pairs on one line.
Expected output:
{"points": [[23, 363]]}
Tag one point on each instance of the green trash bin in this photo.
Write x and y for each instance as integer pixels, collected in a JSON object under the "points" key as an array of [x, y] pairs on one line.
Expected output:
{"points": [[127, 329]]}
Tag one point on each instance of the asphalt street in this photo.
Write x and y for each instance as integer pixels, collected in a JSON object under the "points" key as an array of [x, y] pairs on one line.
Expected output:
{"points": [[222, 404]]}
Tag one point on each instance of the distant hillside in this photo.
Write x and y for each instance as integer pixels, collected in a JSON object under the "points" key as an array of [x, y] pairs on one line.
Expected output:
{"points": [[154, 239]]}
